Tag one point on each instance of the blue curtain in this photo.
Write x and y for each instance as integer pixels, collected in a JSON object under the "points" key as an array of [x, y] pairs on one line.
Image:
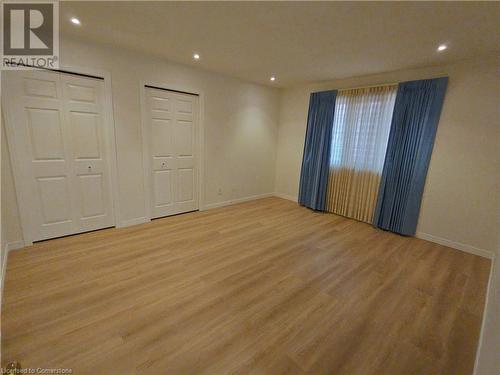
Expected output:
{"points": [[413, 129], [314, 173]]}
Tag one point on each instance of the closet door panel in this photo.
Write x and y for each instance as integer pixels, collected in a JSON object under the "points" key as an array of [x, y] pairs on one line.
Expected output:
{"points": [[171, 136], [84, 112], [56, 131]]}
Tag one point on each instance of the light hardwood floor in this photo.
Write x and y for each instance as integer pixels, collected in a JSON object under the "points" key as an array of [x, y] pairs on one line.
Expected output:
{"points": [[263, 287]]}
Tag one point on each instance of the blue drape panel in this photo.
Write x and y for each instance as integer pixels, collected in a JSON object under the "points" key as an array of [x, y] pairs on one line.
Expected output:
{"points": [[413, 129], [315, 162]]}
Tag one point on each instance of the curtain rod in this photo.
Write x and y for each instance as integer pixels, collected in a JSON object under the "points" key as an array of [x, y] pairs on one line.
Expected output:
{"points": [[369, 86]]}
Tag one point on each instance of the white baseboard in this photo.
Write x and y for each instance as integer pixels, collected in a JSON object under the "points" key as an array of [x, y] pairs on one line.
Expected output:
{"points": [[489, 296], [130, 222], [237, 200], [456, 245], [285, 196], [9, 246], [14, 245], [4, 270]]}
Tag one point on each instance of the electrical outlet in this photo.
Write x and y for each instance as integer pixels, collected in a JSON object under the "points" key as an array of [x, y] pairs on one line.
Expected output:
{"points": [[220, 191]]}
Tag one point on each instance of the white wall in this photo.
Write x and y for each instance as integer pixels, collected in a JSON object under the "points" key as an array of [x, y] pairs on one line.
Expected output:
{"points": [[11, 227], [240, 119], [488, 360], [460, 202], [2, 235], [10, 221]]}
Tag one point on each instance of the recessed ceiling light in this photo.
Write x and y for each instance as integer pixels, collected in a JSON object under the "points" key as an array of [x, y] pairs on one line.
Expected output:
{"points": [[273, 78], [75, 20], [442, 47], [196, 56]]}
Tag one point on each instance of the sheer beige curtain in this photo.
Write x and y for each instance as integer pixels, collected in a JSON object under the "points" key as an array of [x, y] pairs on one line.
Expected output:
{"points": [[361, 127]]}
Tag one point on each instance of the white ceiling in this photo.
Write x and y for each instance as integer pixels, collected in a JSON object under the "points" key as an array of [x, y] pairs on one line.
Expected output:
{"points": [[296, 41]]}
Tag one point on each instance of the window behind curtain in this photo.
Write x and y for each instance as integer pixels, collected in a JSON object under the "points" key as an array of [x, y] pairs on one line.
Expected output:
{"points": [[360, 133]]}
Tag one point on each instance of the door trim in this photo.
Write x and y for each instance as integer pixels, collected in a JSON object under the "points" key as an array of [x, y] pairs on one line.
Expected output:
{"points": [[24, 209], [144, 84]]}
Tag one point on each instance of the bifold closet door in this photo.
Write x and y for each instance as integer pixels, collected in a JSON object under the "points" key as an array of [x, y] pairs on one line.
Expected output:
{"points": [[171, 132], [58, 138]]}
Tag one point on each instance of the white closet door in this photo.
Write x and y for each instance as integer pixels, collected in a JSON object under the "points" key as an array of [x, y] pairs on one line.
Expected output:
{"points": [[84, 115], [172, 131], [57, 137]]}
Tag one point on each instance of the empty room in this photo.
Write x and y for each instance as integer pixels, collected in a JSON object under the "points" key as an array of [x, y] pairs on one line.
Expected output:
{"points": [[250, 188]]}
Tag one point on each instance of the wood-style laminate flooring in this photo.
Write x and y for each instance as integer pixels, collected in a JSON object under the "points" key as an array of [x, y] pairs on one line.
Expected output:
{"points": [[262, 287]]}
